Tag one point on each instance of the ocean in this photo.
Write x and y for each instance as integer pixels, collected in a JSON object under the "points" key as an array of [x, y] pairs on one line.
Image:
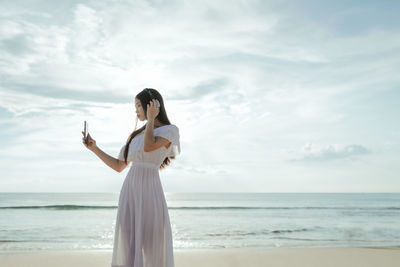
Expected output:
{"points": [[86, 221]]}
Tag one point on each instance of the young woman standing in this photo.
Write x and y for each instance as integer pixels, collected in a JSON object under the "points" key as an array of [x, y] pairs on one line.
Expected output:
{"points": [[143, 235]]}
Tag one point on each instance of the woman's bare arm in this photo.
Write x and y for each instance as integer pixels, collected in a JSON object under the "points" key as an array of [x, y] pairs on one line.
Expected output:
{"points": [[113, 163]]}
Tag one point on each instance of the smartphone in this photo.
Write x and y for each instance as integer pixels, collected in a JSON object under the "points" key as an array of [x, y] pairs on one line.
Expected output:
{"points": [[158, 103], [86, 131]]}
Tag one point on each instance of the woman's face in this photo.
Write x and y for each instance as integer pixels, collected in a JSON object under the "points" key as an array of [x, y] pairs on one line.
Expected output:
{"points": [[139, 110]]}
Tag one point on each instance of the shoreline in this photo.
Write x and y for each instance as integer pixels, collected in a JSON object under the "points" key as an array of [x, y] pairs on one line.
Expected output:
{"points": [[233, 257], [185, 250]]}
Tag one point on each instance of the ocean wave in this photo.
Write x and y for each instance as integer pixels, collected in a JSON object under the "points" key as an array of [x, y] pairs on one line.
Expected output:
{"points": [[278, 208], [79, 207], [257, 233], [60, 207]]}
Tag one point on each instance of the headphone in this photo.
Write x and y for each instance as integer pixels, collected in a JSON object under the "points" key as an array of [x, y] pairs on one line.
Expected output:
{"points": [[151, 96]]}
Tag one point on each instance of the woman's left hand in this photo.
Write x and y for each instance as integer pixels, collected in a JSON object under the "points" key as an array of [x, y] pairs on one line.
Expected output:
{"points": [[152, 110]]}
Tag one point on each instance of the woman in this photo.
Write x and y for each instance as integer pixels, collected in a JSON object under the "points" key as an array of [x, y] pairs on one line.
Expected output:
{"points": [[143, 236]]}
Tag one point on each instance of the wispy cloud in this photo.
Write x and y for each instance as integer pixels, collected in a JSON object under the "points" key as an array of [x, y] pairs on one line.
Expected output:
{"points": [[312, 152], [243, 81]]}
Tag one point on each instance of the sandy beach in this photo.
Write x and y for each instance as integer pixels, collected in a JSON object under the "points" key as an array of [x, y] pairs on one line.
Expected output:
{"points": [[301, 257]]}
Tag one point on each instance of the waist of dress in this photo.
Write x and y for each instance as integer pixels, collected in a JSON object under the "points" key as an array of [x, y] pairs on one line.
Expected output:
{"points": [[145, 165]]}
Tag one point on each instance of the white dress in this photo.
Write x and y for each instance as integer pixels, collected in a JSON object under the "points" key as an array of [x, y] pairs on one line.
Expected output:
{"points": [[143, 235]]}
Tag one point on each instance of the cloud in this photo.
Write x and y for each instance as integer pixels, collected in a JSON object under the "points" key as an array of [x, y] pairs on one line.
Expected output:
{"points": [[312, 152], [240, 80]]}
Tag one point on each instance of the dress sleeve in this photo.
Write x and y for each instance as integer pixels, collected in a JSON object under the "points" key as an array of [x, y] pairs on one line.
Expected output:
{"points": [[171, 133], [121, 153]]}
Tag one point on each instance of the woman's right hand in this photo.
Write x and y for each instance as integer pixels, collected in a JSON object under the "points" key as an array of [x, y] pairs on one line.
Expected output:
{"points": [[91, 142]]}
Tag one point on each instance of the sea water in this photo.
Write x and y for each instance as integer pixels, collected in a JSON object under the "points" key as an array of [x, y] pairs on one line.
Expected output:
{"points": [[86, 221]]}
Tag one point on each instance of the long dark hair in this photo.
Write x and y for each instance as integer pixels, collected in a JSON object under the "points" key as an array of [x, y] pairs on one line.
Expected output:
{"points": [[145, 98]]}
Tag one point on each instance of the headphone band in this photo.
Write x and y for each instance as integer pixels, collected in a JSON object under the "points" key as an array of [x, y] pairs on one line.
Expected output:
{"points": [[149, 92]]}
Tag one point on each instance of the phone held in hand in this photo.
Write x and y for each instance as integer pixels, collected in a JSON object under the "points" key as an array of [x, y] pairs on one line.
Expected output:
{"points": [[86, 131]]}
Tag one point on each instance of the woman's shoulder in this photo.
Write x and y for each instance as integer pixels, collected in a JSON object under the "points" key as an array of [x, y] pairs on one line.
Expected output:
{"points": [[168, 130], [168, 126]]}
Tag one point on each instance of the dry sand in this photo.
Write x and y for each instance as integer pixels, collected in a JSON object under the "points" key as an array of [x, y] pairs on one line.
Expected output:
{"points": [[304, 257]]}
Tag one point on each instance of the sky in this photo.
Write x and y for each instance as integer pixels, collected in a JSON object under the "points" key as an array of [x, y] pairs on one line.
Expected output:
{"points": [[268, 96]]}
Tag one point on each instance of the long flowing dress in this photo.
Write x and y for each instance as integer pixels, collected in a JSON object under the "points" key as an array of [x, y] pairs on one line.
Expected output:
{"points": [[143, 235]]}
